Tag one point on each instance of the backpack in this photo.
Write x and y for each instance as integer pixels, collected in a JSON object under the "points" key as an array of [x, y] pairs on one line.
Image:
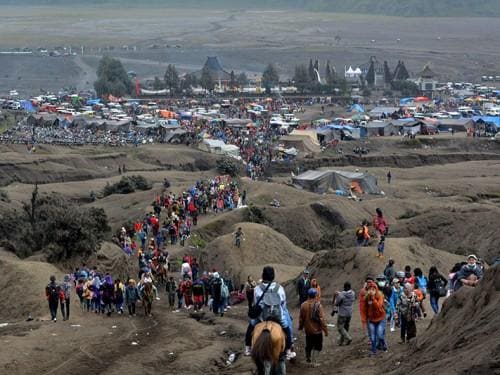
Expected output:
{"points": [[360, 233], [272, 304], [53, 292], [315, 312], [224, 291], [197, 289], [422, 282]]}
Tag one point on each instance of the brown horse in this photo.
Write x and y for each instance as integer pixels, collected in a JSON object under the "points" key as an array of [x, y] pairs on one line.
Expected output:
{"points": [[268, 345], [147, 298], [160, 273]]}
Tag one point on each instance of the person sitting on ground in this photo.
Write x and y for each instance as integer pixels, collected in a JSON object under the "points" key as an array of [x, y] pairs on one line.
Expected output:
{"points": [[344, 301], [312, 321], [469, 274]]}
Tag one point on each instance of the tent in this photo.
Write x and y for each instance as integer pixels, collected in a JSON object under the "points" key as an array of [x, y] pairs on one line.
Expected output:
{"points": [[302, 142], [332, 180], [216, 146]]}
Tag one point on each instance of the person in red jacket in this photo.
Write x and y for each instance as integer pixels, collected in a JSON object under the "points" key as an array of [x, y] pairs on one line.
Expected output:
{"points": [[374, 311]]}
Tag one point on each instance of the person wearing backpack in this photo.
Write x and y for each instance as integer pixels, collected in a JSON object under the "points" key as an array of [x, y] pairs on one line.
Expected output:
{"points": [[270, 304], [362, 234], [437, 288], [198, 294], [312, 321], [53, 293], [216, 287]]}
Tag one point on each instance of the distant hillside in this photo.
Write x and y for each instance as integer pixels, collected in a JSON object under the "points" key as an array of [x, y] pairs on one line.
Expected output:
{"points": [[412, 8]]}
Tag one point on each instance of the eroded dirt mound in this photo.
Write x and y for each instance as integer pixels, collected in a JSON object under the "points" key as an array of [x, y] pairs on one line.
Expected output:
{"points": [[23, 287], [111, 258], [333, 267], [463, 338], [460, 231], [262, 246]]}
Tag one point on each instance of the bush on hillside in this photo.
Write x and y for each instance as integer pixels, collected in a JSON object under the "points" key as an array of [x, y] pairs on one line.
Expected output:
{"points": [[127, 185], [52, 224], [4, 196], [228, 166]]}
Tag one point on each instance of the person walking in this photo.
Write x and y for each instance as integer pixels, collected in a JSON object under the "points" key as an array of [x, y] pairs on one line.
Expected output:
{"points": [[66, 293], [171, 288], [303, 286], [249, 290], [389, 177], [373, 310], [407, 311], [312, 321], [436, 287], [131, 296], [380, 223], [344, 301], [53, 294]]}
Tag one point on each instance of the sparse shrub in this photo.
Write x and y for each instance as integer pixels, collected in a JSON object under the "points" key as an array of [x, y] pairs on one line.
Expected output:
{"points": [[52, 224], [198, 242], [127, 185], [228, 166], [256, 215], [408, 214], [4, 196]]}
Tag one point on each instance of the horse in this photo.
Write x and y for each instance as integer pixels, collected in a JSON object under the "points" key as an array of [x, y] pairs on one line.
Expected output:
{"points": [[268, 346], [159, 271], [147, 298]]}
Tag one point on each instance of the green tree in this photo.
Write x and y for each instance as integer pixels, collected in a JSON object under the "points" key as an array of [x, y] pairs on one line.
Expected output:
{"points": [[157, 84], [188, 82], [370, 75], [270, 77], [232, 80], [206, 80], [242, 79], [171, 79], [112, 79], [301, 78], [310, 71]]}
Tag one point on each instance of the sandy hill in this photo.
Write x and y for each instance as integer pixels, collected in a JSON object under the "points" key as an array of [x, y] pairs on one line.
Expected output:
{"points": [[332, 268], [461, 231], [463, 338], [23, 284], [262, 246]]}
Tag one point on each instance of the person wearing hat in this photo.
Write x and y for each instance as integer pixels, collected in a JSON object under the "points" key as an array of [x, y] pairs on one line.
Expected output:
{"points": [[303, 286], [469, 274], [312, 321], [266, 293]]}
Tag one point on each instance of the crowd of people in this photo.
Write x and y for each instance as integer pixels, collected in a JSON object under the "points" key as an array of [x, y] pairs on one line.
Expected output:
{"points": [[393, 299]]}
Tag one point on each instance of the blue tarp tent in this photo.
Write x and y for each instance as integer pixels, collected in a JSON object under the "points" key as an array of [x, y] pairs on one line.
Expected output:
{"points": [[356, 108], [488, 119], [27, 106], [93, 101], [404, 101]]}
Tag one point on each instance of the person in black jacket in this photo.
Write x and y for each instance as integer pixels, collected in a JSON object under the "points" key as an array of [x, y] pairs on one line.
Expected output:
{"points": [[436, 285], [303, 286]]}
